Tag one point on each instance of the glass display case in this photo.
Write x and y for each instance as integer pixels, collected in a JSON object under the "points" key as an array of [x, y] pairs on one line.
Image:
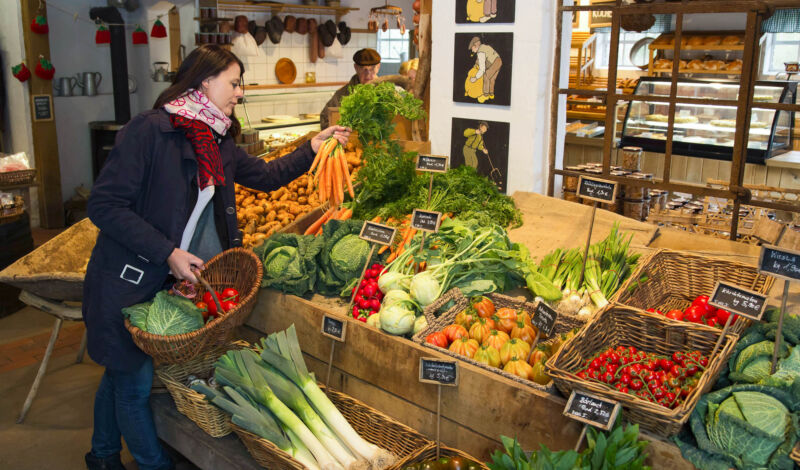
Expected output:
{"points": [[708, 131]]}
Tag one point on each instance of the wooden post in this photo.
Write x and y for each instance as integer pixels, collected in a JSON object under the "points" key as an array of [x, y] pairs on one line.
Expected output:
{"points": [[40, 373], [581, 437], [45, 140], [330, 365], [588, 242], [778, 333], [554, 99], [438, 419]]}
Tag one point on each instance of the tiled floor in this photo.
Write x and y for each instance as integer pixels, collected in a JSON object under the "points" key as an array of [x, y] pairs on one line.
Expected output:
{"points": [[30, 350]]}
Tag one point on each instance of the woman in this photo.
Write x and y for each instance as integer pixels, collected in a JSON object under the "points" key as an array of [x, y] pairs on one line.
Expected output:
{"points": [[164, 203]]}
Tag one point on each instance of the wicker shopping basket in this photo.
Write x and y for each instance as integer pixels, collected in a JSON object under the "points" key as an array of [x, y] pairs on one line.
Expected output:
{"points": [[564, 324], [374, 426], [619, 325], [428, 454], [238, 268], [675, 278], [212, 420]]}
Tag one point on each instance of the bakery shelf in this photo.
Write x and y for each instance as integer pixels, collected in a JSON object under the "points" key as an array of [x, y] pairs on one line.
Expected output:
{"points": [[715, 72], [719, 47]]}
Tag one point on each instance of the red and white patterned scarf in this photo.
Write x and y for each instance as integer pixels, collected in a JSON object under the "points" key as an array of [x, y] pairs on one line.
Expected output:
{"points": [[196, 116]]}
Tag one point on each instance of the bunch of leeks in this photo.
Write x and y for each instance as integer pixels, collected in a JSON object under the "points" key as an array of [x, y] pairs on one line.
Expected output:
{"points": [[274, 396]]}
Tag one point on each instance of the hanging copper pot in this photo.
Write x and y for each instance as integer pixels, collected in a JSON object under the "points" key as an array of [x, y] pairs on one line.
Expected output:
{"points": [[385, 26]]}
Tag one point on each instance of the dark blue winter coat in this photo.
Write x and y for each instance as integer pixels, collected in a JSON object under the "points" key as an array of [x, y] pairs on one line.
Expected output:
{"points": [[141, 202]]}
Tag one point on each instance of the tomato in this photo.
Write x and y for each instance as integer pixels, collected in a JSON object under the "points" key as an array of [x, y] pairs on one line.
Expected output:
{"points": [[693, 314], [230, 294], [464, 347], [701, 301], [703, 361], [483, 305], [228, 305], [519, 367], [613, 358], [374, 304], [712, 322], [657, 312], [212, 308], [582, 375], [466, 317], [437, 339], [625, 379], [691, 370], [675, 315], [514, 348], [202, 306], [636, 384], [209, 299], [523, 331], [454, 332], [722, 316], [595, 364], [659, 393], [496, 339], [480, 330], [506, 319], [665, 364], [594, 374]]}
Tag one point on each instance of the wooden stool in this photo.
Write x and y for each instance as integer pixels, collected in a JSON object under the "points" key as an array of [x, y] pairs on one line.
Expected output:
{"points": [[62, 312]]}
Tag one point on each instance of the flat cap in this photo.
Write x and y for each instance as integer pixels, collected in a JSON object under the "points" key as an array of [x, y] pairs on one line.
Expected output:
{"points": [[367, 57], [474, 42]]}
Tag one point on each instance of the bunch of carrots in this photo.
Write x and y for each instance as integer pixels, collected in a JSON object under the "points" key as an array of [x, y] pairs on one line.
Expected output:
{"points": [[332, 174]]}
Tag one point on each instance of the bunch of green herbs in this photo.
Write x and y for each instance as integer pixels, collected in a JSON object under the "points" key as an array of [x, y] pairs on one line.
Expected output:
{"points": [[370, 110]]}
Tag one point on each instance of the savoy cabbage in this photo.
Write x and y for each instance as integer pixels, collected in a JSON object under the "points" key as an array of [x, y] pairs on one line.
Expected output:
{"points": [[165, 315]]}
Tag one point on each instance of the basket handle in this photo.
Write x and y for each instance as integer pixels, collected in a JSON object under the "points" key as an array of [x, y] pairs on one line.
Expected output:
{"points": [[208, 287]]}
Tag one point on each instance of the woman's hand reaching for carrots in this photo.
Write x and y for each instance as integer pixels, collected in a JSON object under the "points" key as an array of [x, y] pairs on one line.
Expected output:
{"points": [[340, 133]]}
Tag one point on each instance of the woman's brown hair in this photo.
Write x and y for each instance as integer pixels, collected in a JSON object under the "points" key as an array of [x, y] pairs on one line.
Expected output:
{"points": [[208, 60]]}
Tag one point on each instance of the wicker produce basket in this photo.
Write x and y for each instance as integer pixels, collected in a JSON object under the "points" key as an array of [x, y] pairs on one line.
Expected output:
{"points": [[10, 178], [374, 426], [675, 278], [238, 268], [212, 420], [564, 324], [429, 453], [619, 325]]}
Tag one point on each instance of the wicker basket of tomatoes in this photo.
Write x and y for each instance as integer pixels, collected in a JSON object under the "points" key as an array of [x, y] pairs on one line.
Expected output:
{"points": [[238, 269], [494, 332], [679, 280], [655, 367], [449, 459]]}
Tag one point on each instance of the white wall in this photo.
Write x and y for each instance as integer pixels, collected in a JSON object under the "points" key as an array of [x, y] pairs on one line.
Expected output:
{"points": [[529, 113], [17, 114]]}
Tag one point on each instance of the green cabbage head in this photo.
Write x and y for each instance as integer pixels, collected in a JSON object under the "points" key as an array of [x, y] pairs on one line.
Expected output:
{"points": [[283, 262], [348, 256]]}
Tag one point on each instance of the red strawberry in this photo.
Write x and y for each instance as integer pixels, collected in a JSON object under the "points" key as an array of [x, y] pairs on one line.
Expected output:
{"points": [[39, 25], [139, 36], [44, 69]]}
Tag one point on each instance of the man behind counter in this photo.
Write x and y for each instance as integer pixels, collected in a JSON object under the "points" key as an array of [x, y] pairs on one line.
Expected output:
{"points": [[367, 63]]}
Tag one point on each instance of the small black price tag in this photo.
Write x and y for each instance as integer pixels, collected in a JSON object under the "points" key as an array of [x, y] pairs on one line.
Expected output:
{"points": [[597, 189], [334, 328], [544, 319], [744, 302], [432, 163], [780, 262], [427, 221], [592, 410], [438, 371], [377, 233], [42, 107]]}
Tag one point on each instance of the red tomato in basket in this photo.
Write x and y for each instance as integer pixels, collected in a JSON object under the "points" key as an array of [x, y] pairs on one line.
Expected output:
{"points": [[230, 294]]}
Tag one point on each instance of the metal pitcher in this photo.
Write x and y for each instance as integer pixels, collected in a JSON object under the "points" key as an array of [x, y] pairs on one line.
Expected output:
{"points": [[90, 82], [159, 71], [64, 86]]}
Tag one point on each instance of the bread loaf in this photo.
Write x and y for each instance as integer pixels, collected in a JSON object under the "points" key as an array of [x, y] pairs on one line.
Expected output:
{"points": [[696, 41], [714, 65], [730, 40], [712, 41], [695, 65]]}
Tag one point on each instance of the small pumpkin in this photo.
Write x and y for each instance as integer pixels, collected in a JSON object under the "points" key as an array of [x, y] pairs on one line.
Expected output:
{"points": [[514, 347], [538, 355], [483, 306], [524, 317], [437, 339], [517, 366], [454, 332], [524, 332], [464, 347], [487, 355], [466, 317], [505, 318], [538, 374], [496, 339], [480, 330]]}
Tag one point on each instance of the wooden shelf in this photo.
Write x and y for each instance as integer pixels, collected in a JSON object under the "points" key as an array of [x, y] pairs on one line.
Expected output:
{"points": [[283, 8], [212, 20], [279, 86], [715, 72], [719, 47]]}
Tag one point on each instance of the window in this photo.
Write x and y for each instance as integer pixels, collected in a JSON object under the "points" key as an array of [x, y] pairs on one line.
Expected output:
{"points": [[780, 48], [393, 46], [626, 42]]}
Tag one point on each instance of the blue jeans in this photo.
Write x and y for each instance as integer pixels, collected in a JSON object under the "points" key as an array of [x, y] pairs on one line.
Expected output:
{"points": [[122, 409]]}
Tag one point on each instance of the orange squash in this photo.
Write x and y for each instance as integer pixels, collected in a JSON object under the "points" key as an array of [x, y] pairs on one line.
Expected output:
{"points": [[483, 305], [538, 374], [538, 355], [514, 347], [518, 367], [496, 339], [466, 317], [505, 318], [524, 332], [454, 332], [480, 330], [464, 347], [524, 317], [487, 355]]}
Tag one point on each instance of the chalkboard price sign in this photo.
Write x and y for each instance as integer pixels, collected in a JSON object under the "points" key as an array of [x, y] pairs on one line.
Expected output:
{"points": [[432, 163], [746, 303], [544, 319], [438, 371], [780, 262], [377, 233], [42, 107], [427, 221], [592, 410], [597, 189], [334, 328]]}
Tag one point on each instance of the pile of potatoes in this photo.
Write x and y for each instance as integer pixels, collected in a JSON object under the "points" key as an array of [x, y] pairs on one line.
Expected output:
{"points": [[262, 214]]}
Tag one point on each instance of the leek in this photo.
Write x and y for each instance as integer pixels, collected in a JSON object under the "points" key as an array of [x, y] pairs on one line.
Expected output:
{"points": [[282, 351]]}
